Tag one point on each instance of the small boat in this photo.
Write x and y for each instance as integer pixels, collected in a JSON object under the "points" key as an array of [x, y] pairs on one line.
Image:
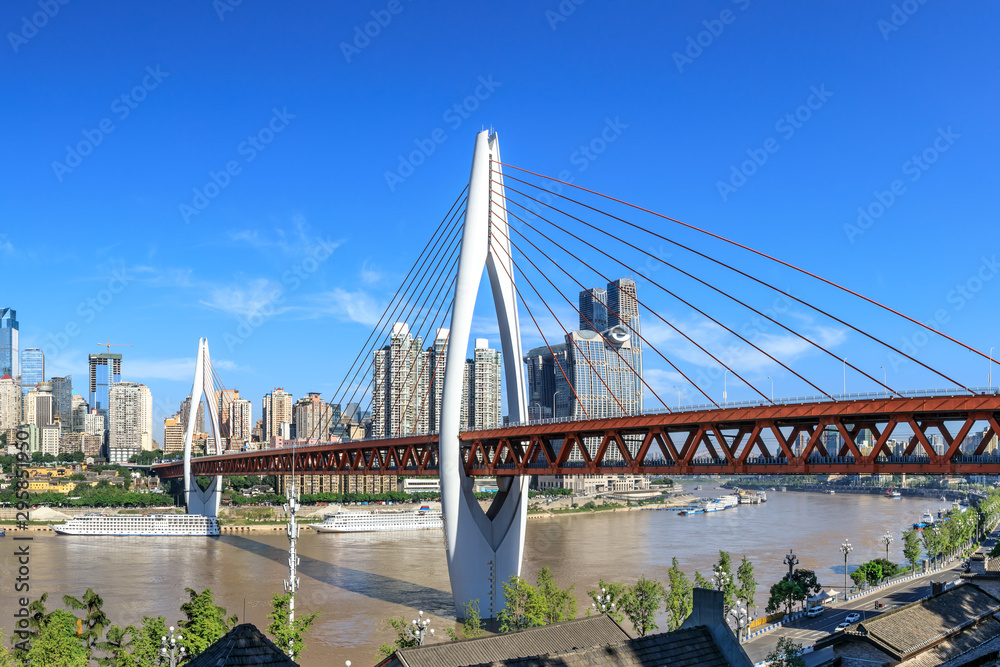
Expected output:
{"points": [[830, 491], [893, 493], [926, 520], [2, 532]]}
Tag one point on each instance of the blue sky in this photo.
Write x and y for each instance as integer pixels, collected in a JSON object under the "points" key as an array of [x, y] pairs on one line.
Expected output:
{"points": [[693, 89]]}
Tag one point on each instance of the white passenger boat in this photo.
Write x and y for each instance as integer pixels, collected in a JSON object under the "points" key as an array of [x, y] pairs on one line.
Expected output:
{"points": [[381, 520], [143, 525]]}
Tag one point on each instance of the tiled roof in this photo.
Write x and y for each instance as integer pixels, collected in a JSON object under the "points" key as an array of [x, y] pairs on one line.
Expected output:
{"points": [[243, 646], [909, 629], [693, 647], [559, 637], [960, 644]]}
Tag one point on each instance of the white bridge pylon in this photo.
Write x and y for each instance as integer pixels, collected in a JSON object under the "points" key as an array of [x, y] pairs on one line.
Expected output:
{"points": [[197, 501], [484, 548]]}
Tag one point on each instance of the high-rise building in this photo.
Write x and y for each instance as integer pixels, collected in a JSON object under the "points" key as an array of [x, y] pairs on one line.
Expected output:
{"points": [[39, 406], [623, 309], [223, 400], [276, 410], [105, 370], [314, 418], [130, 416], [482, 388], [32, 368], [11, 415], [594, 309], [49, 436], [10, 353], [540, 374], [199, 419], [93, 423], [173, 434], [80, 410], [62, 397], [240, 424]]}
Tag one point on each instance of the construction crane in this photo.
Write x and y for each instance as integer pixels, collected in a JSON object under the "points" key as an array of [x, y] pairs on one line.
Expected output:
{"points": [[109, 345]]}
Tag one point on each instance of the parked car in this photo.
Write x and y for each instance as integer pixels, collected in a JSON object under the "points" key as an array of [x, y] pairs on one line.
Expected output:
{"points": [[853, 617], [815, 611]]}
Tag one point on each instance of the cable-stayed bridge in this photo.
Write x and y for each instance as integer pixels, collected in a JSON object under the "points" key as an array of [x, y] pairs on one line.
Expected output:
{"points": [[537, 243]]}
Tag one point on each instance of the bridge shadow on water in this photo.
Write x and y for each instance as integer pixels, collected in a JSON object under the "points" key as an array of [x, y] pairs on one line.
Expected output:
{"points": [[376, 586]]}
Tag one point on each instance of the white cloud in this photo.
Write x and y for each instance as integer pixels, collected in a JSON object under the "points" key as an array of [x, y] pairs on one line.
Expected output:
{"points": [[357, 306], [5, 245], [244, 301]]}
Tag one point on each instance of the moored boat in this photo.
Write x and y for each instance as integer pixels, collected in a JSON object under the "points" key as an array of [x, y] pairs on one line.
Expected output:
{"points": [[380, 521], [140, 525]]}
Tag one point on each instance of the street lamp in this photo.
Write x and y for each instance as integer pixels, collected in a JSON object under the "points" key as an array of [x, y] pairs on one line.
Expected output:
{"points": [[722, 579], [678, 396], [725, 377], [846, 548], [603, 599], [845, 376], [990, 376], [887, 538], [743, 617], [170, 650], [885, 380], [554, 394], [418, 629], [791, 560], [772, 388]]}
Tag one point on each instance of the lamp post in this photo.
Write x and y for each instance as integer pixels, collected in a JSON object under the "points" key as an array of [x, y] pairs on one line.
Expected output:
{"points": [[846, 548], [725, 378], [418, 629], [722, 580], [990, 376], [603, 599], [885, 381], [887, 538], [845, 376], [554, 394], [678, 396], [772, 388], [743, 617], [170, 650], [791, 560]]}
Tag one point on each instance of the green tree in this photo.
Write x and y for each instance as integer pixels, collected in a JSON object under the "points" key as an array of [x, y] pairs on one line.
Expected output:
{"points": [[611, 599], [932, 543], [145, 647], [57, 644], [559, 604], [784, 593], [786, 654], [403, 638], [284, 632], [725, 581], [679, 596], [94, 619], [807, 580], [524, 606], [702, 582], [206, 622], [117, 647], [641, 602], [472, 624], [748, 583], [911, 547]]}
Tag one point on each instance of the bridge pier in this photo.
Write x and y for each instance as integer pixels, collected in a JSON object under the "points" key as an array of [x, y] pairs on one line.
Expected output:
{"points": [[484, 548]]}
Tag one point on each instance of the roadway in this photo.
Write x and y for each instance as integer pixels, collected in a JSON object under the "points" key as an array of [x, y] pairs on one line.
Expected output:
{"points": [[808, 631]]}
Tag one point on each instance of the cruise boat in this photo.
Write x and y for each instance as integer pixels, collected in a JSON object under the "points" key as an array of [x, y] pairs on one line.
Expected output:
{"points": [[144, 525], [377, 521], [712, 505]]}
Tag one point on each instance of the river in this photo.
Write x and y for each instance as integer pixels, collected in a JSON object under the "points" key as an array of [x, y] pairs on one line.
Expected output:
{"points": [[355, 581]]}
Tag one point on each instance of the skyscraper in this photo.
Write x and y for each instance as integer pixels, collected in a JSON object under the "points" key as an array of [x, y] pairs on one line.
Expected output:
{"points": [[130, 417], [199, 418], [173, 434], [9, 350], [62, 396], [276, 410], [623, 309], [105, 370], [594, 309], [223, 401], [10, 403], [80, 410], [32, 368], [482, 388], [314, 418], [240, 423]]}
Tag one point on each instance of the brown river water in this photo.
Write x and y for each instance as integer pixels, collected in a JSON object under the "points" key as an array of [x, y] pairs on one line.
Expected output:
{"points": [[358, 580]]}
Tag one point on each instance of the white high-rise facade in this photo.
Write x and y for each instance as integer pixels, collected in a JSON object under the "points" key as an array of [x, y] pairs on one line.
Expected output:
{"points": [[239, 420], [10, 403], [313, 418], [130, 416], [409, 383]]}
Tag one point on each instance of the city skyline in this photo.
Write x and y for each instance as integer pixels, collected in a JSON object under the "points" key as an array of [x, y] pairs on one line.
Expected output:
{"points": [[851, 159]]}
